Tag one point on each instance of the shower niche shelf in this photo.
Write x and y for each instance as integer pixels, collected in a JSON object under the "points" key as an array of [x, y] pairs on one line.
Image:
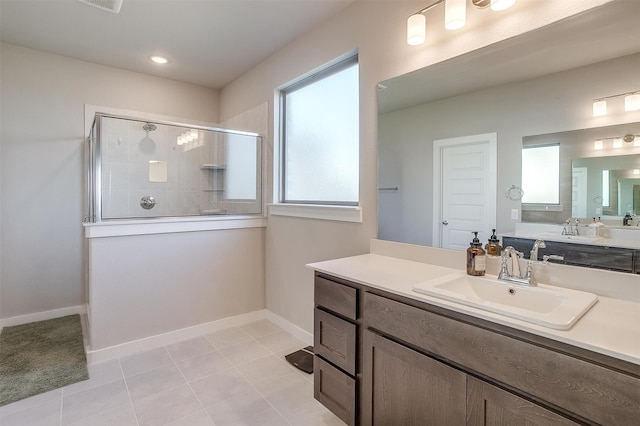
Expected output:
{"points": [[217, 176]]}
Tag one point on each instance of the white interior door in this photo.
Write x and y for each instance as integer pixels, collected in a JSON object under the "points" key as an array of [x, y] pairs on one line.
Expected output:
{"points": [[465, 173], [579, 192]]}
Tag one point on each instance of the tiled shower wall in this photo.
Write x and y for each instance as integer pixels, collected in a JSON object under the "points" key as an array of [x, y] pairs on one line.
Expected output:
{"points": [[195, 172]]}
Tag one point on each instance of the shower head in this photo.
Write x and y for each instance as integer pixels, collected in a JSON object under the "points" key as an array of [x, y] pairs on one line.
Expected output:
{"points": [[149, 127]]}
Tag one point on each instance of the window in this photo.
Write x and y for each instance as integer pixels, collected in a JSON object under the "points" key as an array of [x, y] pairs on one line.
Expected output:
{"points": [[606, 197], [320, 137], [541, 174]]}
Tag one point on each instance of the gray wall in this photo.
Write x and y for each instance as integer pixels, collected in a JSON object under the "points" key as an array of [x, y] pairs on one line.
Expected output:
{"points": [[42, 101], [378, 30]]}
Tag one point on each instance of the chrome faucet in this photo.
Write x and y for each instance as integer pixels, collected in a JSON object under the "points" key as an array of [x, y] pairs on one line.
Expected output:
{"points": [[515, 276], [534, 251], [571, 228], [509, 253]]}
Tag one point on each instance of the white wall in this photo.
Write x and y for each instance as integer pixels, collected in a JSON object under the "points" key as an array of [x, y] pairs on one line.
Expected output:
{"points": [[377, 29], [42, 101]]}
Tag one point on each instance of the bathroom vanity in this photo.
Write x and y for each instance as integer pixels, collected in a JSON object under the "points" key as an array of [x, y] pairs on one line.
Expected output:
{"points": [[618, 249], [388, 355], [600, 256]]}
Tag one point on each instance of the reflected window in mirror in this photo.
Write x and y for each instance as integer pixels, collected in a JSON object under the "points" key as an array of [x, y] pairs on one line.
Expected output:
{"points": [[606, 195], [541, 174]]}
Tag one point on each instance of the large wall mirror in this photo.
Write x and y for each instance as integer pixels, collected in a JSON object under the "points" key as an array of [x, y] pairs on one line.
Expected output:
{"points": [[530, 89]]}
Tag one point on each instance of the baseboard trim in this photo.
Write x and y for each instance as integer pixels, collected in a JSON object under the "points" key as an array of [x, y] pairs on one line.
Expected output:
{"points": [[297, 332], [111, 352], [42, 316]]}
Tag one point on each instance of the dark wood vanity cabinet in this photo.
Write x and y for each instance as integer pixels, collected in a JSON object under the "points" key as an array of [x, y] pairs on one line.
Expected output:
{"points": [[335, 346], [488, 405], [592, 256], [404, 387], [417, 364]]}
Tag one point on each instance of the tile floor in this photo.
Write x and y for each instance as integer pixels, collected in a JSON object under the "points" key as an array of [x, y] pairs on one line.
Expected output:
{"points": [[236, 376]]}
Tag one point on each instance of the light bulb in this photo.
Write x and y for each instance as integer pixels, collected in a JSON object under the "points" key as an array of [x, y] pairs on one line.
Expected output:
{"points": [[636, 171], [617, 143], [599, 108], [598, 144], [632, 102], [159, 60], [194, 134], [416, 29], [455, 14], [498, 5]]}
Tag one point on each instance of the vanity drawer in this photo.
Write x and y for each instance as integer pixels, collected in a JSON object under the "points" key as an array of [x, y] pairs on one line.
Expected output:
{"points": [[335, 340], [335, 297], [582, 388], [335, 390]]}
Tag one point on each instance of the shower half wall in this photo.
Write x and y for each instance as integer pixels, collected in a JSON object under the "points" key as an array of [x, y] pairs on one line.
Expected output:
{"points": [[140, 169], [192, 261]]}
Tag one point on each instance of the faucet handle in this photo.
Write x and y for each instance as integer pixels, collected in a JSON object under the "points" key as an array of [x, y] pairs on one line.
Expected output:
{"points": [[547, 257]]}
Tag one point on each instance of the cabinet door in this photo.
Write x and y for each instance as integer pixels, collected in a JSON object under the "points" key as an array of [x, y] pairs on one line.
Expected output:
{"points": [[335, 390], [404, 387], [488, 405]]}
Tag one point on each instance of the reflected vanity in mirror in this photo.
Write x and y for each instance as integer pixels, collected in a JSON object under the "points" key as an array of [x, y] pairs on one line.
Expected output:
{"points": [[541, 83], [597, 175]]}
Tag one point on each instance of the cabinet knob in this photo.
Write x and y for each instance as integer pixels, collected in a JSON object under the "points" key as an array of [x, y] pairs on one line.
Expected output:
{"points": [[445, 222]]}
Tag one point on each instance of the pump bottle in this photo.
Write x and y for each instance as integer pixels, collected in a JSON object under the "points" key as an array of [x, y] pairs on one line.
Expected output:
{"points": [[476, 259], [493, 246]]}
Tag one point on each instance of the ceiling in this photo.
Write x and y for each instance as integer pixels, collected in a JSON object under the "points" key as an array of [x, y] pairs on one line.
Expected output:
{"points": [[209, 42]]}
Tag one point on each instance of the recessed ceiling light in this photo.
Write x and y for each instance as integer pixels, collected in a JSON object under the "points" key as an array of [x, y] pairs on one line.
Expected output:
{"points": [[159, 60]]}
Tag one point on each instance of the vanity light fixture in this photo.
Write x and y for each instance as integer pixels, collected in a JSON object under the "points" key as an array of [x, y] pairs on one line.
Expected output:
{"points": [[416, 29], [617, 143], [599, 107], [455, 16], [631, 103], [499, 5]]}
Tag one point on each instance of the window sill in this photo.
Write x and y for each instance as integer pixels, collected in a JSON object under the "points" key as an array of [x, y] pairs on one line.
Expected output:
{"points": [[318, 211]]}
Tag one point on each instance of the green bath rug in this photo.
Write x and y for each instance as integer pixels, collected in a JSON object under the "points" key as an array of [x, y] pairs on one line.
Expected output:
{"points": [[41, 356]]}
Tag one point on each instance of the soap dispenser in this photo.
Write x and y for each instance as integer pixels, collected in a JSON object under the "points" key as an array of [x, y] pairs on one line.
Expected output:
{"points": [[476, 259], [493, 247]]}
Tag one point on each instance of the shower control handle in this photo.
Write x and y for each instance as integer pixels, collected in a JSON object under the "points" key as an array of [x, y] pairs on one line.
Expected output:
{"points": [[147, 202]]}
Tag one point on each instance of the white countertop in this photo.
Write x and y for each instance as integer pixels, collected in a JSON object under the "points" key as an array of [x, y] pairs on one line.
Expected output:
{"points": [[610, 327]]}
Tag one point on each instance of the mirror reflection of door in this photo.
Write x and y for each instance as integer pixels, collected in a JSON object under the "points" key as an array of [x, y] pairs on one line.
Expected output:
{"points": [[465, 171], [579, 192]]}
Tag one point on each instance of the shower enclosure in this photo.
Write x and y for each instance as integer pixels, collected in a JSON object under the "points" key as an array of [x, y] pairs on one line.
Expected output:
{"points": [[140, 169]]}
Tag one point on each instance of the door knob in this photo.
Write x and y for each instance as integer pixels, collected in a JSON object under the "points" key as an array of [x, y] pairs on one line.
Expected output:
{"points": [[445, 222]]}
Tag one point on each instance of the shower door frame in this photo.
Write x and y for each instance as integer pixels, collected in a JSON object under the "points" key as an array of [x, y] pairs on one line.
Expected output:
{"points": [[94, 172]]}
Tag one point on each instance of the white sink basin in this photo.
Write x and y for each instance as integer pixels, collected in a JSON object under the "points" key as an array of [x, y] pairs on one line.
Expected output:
{"points": [[553, 307], [575, 238]]}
